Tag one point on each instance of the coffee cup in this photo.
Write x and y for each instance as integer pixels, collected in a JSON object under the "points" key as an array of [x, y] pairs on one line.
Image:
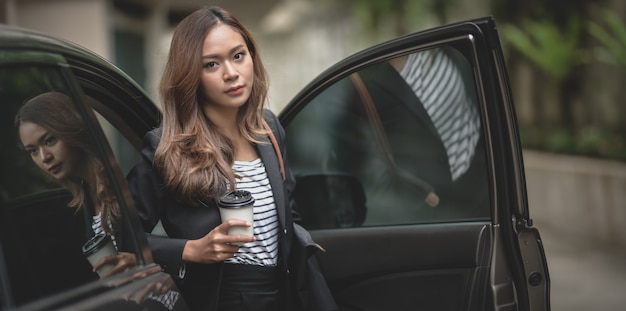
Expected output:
{"points": [[237, 204], [96, 248]]}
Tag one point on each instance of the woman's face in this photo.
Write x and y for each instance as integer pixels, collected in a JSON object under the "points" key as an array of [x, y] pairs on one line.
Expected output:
{"points": [[50, 153], [227, 72]]}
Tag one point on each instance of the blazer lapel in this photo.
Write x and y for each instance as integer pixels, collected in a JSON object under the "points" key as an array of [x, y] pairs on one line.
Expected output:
{"points": [[272, 168]]}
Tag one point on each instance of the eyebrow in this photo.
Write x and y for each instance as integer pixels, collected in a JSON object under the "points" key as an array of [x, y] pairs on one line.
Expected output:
{"points": [[40, 140], [229, 52]]}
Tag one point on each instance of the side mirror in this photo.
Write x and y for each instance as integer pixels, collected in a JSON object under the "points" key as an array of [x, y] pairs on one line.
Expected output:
{"points": [[330, 201]]}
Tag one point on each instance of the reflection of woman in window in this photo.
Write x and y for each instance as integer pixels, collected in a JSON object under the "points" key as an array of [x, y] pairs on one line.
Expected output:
{"points": [[52, 132]]}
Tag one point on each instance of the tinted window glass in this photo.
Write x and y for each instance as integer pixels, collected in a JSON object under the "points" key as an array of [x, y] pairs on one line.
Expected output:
{"points": [[405, 133], [123, 150], [123, 141], [19, 175], [55, 195]]}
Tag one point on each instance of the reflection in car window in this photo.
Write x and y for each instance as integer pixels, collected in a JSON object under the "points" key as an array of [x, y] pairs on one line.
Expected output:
{"points": [[123, 150], [409, 130], [55, 196]]}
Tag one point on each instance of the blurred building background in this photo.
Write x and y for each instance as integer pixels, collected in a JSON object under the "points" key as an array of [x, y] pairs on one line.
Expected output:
{"points": [[566, 61], [566, 58], [298, 38]]}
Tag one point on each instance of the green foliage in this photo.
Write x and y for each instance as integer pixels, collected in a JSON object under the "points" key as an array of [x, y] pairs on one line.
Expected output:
{"points": [[555, 52], [402, 14], [612, 36], [371, 12]]}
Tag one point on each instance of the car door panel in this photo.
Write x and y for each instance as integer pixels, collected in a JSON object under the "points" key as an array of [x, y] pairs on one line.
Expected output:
{"points": [[370, 249], [364, 265], [46, 228], [141, 288], [433, 226]]}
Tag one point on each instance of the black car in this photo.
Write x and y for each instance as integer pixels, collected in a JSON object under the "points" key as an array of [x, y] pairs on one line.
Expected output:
{"points": [[409, 169]]}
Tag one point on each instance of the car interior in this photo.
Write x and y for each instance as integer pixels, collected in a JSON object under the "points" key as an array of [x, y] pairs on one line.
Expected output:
{"points": [[330, 201]]}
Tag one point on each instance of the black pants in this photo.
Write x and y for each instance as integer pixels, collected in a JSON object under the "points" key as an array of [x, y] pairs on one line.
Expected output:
{"points": [[249, 288]]}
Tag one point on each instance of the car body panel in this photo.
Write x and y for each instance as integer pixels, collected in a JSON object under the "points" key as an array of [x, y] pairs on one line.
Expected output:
{"points": [[42, 265]]}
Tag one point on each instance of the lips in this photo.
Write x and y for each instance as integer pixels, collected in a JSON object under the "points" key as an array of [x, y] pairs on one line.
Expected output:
{"points": [[235, 90], [55, 169]]}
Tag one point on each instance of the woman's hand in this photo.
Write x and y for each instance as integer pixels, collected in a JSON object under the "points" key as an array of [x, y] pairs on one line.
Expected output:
{"points": [[217, 245], [154, 289], [121, 262]]}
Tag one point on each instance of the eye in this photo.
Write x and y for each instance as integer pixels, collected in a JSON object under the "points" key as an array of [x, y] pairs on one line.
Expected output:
{"points": [[32, 151], [210, 65], [239, 56], [50, 140]]}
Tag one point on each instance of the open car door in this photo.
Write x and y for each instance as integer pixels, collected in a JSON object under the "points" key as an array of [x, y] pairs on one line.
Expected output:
{"points": [[410, 174]]}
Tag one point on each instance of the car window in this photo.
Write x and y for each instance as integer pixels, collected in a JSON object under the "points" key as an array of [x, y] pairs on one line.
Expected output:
{"points": [[123, 141], [399, 141], [123, 150], [55, 195]]}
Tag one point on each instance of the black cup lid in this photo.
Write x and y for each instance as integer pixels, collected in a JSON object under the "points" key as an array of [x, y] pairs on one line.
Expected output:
{"points": [[236, 199], [95, 243]]}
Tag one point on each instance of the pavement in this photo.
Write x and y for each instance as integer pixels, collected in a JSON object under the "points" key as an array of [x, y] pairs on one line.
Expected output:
{"points": [[585, 275]]}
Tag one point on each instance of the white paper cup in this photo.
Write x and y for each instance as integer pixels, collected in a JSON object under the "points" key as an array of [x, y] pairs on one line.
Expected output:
{"points": [[97, 247], [237, 204]]}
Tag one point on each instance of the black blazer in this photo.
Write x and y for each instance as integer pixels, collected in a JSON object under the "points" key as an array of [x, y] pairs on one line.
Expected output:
{"points": [[182, 221]]}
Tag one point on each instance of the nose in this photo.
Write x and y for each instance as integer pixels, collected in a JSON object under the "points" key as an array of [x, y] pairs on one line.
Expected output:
{"points": [[45, 155], [230, 71]]}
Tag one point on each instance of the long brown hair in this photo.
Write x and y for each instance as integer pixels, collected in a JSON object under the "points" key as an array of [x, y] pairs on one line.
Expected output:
{"points": [[55, 112], [194, 158]]}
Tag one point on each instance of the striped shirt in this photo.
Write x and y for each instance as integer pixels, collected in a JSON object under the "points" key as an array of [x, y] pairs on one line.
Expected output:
{"points": [[98, 229], [264, 250], [437, 82]]}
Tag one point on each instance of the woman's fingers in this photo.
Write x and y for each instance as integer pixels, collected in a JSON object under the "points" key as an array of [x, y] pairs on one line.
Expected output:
{"points": [[237, 239], [217, 245], [121, 262]]}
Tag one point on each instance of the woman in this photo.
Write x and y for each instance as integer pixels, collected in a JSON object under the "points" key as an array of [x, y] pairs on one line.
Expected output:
{"points": [[52, 132], [212, 140]]}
